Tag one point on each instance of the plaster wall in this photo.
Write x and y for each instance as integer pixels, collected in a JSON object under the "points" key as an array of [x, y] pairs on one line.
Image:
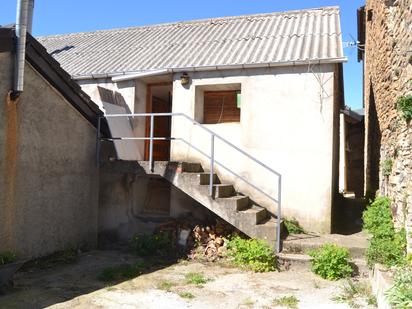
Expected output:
{"points": [[287, 122], [48, 174]]}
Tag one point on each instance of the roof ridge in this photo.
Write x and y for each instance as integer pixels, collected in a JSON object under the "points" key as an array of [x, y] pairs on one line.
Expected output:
{"points": [[326, 9]]}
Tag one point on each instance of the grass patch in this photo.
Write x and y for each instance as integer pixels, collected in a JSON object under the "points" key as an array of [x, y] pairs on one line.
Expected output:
{"points": [[293, 226], [331, 262], [119, 273], [166, 285], [252, 253], [356, 295], [248, 302], [287, 301], [195, 278], [186, 295], [7, 257]]}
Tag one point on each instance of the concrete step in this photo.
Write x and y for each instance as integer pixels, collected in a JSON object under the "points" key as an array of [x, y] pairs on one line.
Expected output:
{"points": [[254, 214], [302, 243], [190, 167], [204, 179], [287, 261], [236, 203], [223, 190]]}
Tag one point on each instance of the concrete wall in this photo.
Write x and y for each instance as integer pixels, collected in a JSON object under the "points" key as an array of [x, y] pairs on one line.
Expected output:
{"points": [[48, 174], [287, 121], [132, 202], [387, 75]]}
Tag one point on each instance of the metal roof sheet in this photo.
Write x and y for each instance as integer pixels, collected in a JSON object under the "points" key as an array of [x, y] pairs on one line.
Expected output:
{"points": [[283, 37]]}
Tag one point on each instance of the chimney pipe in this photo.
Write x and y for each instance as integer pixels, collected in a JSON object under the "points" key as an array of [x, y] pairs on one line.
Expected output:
{"points": [[23, 24]]}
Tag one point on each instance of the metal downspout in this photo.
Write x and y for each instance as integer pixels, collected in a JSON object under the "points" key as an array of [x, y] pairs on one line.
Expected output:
{"points": [[23, 24]]}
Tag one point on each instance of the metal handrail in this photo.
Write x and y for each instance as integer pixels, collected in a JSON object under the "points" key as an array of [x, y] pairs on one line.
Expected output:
{"points": [[213, 135]]}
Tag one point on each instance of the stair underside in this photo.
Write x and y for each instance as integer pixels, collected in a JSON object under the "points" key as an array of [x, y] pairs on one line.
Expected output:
{"points": [[233, 207]]}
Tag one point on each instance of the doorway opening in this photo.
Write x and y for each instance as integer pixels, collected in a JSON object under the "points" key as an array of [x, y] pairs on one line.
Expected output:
{"points": [[159, 100]]}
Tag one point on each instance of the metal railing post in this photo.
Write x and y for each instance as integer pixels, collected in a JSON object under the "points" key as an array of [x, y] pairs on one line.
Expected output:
{"points": [[98, 141], [212, 163], [151, 143], [279, 214]]}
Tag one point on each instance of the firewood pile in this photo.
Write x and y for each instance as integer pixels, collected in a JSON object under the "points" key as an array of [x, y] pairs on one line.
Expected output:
{"points": [[203, 241], [211, 241]]}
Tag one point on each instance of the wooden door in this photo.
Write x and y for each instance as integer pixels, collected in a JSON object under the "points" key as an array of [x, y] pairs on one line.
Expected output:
{"points": [[162, 128]]}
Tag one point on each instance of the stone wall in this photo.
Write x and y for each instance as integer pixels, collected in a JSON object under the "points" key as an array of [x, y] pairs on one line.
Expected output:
{"points": [[388, 73]]}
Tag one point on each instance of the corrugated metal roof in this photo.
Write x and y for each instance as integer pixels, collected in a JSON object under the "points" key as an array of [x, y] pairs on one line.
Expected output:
{"points": [[285, 37]]}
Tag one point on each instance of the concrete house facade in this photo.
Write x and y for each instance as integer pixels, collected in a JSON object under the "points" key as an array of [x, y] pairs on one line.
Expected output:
{"points": [[48, 177], [271, 84]]}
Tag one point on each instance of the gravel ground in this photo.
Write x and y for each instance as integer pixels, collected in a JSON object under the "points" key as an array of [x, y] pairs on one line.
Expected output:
{"points": [[76, 286]]}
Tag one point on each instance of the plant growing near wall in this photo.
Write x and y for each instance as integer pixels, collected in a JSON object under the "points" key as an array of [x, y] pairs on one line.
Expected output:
{"points": [[400, 294], [146, 245], [293, 226], [331, 262], [405, 107], [387, 167], [7, 258], [387, 246]]}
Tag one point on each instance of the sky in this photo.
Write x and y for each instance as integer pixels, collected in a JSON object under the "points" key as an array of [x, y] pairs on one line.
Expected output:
{"points": [[58, 17]]}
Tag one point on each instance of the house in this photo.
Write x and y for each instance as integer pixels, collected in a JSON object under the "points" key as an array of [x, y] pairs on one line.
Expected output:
{"points": [[270, 84], [48, 175], [385, 38]]}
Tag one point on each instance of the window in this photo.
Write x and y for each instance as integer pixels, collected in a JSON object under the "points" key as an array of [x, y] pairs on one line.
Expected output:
{"points": [[221, 107]]}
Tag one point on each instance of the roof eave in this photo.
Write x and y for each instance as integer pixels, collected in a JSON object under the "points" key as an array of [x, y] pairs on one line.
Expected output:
{"points": [[129, 75]]}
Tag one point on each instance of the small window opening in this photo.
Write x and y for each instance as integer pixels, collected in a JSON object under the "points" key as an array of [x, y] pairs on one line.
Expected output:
{"points": [[221, 107]]}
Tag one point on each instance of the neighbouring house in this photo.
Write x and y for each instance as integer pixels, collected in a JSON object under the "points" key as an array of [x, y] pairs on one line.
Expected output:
{"points": [[48, 173], [351, 157], [271, 84], [385, 37]]}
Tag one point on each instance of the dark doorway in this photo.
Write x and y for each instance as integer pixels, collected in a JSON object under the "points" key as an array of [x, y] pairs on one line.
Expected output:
{"points": [[159, 100]]}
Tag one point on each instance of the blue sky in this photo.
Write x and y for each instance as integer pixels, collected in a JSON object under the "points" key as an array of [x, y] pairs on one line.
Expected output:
{"points": [[55, 17]]}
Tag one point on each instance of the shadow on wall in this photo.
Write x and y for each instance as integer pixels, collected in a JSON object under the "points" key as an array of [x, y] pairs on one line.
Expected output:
{"points": [[373, 140]]}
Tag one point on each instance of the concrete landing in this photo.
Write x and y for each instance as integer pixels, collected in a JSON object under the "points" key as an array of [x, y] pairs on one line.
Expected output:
{"points": [[301, 243]]}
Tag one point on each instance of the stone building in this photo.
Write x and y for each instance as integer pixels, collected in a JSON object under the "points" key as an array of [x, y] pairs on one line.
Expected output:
{"points": [[385, 36]]}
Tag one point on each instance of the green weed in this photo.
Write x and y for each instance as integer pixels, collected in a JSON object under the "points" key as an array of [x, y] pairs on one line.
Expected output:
{"points": [[287, 301], [331, 262], [252, 253]]}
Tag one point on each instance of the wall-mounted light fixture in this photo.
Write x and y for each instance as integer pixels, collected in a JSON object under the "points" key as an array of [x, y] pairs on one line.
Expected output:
{"points": [[184, 79]]}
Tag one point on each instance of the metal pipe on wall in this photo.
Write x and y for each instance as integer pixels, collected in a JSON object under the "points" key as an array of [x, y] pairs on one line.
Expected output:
{"points": [[23, 24]]}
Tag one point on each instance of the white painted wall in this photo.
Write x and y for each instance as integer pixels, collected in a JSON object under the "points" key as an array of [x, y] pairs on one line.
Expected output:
{"points": [[286, 122]]}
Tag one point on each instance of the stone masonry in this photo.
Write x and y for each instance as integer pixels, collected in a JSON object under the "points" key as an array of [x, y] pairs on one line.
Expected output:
{"points": [[388, 76]]}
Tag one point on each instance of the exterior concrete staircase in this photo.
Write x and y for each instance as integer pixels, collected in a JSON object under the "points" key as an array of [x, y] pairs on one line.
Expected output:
{"points": [[234, 207]]}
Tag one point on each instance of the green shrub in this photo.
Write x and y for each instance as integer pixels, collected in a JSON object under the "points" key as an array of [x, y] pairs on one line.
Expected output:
{"points": [[387, 246], [331, 262], [389, 250], [386, 166], [377, 218], [252, 253], [405, 107], [7, 257], [400, 294], [293, 226], [146, 245]]}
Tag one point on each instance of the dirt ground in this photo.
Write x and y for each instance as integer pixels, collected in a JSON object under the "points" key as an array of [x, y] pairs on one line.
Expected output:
{"points": [[76, 286]]}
